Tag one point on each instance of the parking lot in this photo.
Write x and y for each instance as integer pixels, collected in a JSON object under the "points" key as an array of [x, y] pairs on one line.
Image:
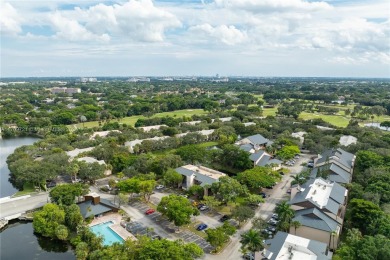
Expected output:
{"points": [[187, 236]]}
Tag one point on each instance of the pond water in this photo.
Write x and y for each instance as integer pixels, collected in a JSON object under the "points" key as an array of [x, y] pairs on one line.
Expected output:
{"points": [[7, 147], [18, 241]]}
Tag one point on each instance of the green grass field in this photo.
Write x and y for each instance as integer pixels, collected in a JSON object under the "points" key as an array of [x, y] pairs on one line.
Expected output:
{"points": [[131, 120]]}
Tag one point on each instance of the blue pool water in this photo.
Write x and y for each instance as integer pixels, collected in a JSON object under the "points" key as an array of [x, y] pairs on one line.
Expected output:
{"points": [[108, 234]]}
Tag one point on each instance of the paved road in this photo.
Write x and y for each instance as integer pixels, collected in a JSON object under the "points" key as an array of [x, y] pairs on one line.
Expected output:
{"points": [[277, 194], [13, 207]]}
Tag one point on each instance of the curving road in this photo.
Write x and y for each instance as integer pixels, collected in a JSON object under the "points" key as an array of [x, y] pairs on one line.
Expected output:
{"points": [[20, 205]]}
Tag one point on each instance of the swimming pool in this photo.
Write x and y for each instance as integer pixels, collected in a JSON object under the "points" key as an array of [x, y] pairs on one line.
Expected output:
{"points": [[108, 234]]}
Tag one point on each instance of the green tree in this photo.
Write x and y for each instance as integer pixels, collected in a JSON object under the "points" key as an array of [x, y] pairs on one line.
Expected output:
{"points": [[46, 221], [285, 214], [361, 213], [243, 213], [177, 209], [252, 241], [257, 177], [295, 224], [73, 217], [82, 251], [211, 202], [254, 199], [196, 190], [91, 171], [192, 153], [367, 159], [146, 188], [288, 152], [66, 193], [172, 178], [234, 157], [228, 189], [61, 232], [216, 237]]}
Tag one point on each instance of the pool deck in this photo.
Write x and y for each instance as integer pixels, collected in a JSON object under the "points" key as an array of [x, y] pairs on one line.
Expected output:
{"points": [[116, 219]]}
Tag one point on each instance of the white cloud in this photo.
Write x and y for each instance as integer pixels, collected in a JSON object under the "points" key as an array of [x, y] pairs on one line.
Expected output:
{"points": [[10, 21], [229, 35], [137, 20], [72, 30], [273, 5]]}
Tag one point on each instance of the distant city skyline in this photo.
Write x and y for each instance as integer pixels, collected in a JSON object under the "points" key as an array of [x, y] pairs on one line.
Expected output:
{"points": [[260, 38]]}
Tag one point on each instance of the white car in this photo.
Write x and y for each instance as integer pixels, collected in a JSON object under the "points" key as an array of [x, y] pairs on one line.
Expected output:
{"points": [[159, 187]]}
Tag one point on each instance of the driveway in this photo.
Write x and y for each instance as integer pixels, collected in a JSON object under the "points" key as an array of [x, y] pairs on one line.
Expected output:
{"points": [[276, 195]]}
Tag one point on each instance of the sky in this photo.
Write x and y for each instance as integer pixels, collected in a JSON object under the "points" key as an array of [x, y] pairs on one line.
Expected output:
{"points": [[265, 38]]}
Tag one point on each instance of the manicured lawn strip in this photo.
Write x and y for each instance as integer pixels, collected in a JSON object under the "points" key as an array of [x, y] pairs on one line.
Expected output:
{"points": [[27, 189], [131, 120], [270, 111]]}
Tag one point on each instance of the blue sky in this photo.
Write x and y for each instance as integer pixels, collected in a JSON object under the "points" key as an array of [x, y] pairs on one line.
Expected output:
{"points": [[189, 37]]}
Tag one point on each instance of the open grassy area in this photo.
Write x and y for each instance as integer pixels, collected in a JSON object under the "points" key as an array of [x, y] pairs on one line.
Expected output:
{"points": [[270, 111], [27, 189], [337, 120], [131, 120]]}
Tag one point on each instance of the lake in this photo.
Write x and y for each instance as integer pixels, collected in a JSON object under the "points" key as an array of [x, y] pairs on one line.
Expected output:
{"points": [[7, 147], [18, 241]]}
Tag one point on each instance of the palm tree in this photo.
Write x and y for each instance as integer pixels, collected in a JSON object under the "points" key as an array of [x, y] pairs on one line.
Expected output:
{"points": [[296, 224], [285, 214], [251, 241]]}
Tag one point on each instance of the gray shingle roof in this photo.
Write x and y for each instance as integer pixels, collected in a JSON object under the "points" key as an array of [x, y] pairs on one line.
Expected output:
{"points": [[343, 157], [336, 197], [337, 173], [258, 139], [246, 147], [256, 156], [314, 218], [264, 160], [277, 243], [87, 208]]}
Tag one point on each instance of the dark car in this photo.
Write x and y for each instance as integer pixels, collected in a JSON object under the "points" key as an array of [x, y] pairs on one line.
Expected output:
{"points": [[224, 218], [201, 227], [200, 205], [262, 194]]}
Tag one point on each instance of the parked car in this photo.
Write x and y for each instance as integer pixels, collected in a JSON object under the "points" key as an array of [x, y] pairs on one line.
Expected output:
{"points": [[275, 216], [310, 165], [262, 194], [272, 229], [224, 218], [273, 222], [156, 237], [150, 211], [249, 256], [289, 191], [266, 231], [201, 227], [281, 173], [200, 205], [159, 187], [203, 208]]}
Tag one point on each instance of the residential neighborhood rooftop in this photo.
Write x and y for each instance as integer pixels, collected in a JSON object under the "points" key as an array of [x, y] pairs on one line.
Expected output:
{"points": [[323, 194], [347, 140], [285, 246], [152, 127], [77, 151]]}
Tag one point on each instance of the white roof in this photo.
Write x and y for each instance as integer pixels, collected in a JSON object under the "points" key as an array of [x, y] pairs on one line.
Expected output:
{"points": [[249, 123], [133, 143], [223, 119], [299, 247], [320, 192], [77, 151], [347, 140], [202, 132], [191, 122], [152, 127], [103, 133], [91, 160]]}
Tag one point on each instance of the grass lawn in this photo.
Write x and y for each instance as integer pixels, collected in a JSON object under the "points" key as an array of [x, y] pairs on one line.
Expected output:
{"points": [[336, 120], [270, 111], [27, 189], [131, 120]]}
